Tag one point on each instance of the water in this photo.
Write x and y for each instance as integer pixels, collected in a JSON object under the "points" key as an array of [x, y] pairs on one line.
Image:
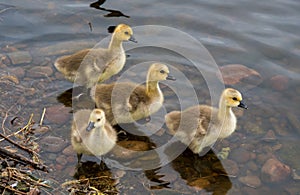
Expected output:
{"points": [[262, 35]]}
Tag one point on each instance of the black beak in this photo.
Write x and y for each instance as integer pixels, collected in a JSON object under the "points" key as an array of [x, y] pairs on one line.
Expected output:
{"points": [[132, 39], [90, 126], [242, 105], [171, 77]]}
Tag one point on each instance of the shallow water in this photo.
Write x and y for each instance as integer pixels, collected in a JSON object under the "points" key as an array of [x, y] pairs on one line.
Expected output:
{"points": [[262, 35]]}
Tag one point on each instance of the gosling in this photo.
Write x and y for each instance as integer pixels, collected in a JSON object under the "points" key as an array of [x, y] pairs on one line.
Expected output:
{"points": [[202, 125], [127, 102], [89, 66], [91, 134]]}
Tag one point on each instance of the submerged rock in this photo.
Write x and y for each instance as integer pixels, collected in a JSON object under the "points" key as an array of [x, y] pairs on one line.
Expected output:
{"points": [[20, 57], [240, 155], [250, 180], [269, 137], [275, 171], [39, 71], [237, 74], [53, 144], [58, 114], [279, 82]]}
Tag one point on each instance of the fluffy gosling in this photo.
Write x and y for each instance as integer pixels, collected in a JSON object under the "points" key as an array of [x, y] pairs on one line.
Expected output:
{"points": [[91, 134], [200, 126], [126, 102], [89, 66]]}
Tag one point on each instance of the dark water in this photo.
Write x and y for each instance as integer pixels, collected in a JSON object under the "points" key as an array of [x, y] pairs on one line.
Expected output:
{"points": [[262, 35]]}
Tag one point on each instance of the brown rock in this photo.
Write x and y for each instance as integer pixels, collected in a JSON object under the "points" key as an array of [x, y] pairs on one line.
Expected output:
{"points": [[18, 71], [250, 180], [4, 61], [20, 57], [71, 159], [237, 74], [252, 166], [275, 171], [39, 71], [269, 137], [69, 151], [62, 160], [57, 114], [52, 144], [240, 155], [228, 167], [279, 82]]}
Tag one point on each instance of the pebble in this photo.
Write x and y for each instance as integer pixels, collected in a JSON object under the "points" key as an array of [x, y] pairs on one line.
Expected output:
{"points": [[69, 151], [62, 160], [275, 171], [17, 71], [71, 159], [4, 61], [252, 166], [250, 180], [263, 157], [64, 48], [52, 144], [230, 167], [269, 137], [279, 82], [57, 114], [237, 74], [240, 155], [38, 130], [20, 57], [39, 71]]}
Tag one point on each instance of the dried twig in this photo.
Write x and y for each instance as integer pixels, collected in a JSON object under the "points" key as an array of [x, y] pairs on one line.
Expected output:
{"points": [[42, 117], [6, 115], [22, 159], [18, 145], [12, 189]]}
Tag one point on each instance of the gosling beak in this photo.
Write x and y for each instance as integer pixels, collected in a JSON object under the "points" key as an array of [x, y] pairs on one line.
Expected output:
{"points": [[242, 105], [171, 77], [132, 39], [90, 126]]}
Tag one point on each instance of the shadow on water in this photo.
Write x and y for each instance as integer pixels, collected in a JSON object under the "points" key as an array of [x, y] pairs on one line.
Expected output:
{"points": [[92, 177], [205, 172], [113, 13]]}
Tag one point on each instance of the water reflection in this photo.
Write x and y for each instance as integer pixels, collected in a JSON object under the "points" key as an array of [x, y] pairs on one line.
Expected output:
{"points": [[205, 172], [113, 13], [93, 177]]}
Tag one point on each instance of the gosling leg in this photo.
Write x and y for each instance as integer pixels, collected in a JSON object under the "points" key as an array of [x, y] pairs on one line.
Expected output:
{"points": [[79, 157]]}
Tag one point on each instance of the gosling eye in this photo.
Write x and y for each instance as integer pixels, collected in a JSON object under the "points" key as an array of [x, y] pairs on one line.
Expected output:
{"points": [[126, 33], [162, 71], [98, 120], [234, 98]]}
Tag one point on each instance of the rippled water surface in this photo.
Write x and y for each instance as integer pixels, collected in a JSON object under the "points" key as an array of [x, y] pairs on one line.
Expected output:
{"points": [[261, 35]]}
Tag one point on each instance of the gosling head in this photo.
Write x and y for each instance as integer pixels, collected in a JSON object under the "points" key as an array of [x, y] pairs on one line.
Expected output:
{"points": [[124, 32], [159, 72], [233, 98], [97, 119]]}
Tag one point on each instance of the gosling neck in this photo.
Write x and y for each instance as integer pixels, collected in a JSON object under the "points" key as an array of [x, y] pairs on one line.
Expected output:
{"points": [[224, 110], [115, 44], [152, 87]]}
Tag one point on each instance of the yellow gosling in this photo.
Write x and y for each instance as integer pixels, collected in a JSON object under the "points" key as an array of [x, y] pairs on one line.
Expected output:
{"points": [[126, 102], [202, 125], [89, 66], [91, 134]]}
